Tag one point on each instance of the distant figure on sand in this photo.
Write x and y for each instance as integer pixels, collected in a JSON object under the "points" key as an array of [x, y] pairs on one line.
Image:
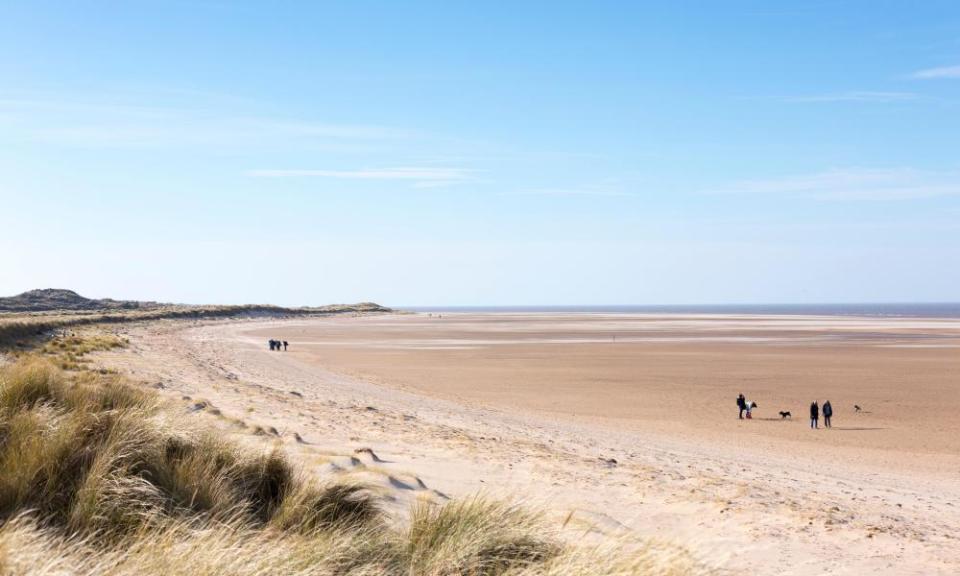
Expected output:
{"points": [[814, 415], [741, 404], [273, 344], [284, 345], [750, 407], [827, 413]]}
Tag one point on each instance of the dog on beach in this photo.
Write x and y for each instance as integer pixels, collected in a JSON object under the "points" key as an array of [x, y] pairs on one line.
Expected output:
{"points": [[857, 408], [785, 414]]}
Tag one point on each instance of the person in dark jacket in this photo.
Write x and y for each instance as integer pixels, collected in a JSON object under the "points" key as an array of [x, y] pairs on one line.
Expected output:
{"points": [[814, 415], [284, 345], [827, 413], [741, 404]]}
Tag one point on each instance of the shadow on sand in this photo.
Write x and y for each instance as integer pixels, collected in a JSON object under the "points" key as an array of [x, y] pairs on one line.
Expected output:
{"points": [[838, 428]]}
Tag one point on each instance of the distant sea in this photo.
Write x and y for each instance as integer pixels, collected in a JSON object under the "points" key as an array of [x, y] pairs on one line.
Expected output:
{"points": [[924, 310]]}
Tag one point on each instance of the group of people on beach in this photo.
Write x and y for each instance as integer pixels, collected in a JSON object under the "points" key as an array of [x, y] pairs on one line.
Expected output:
{"points": [[815, 411], [278, 344]]}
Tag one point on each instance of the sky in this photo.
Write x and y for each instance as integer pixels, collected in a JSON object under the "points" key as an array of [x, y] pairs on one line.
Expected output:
{"points": [[481, 153]]}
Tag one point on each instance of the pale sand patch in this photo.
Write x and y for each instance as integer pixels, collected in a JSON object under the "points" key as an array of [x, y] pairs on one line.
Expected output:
{"points": [[541, 421]]}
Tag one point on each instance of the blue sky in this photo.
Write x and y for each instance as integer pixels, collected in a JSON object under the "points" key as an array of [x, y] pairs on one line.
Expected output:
{"points": [[454, 153]]}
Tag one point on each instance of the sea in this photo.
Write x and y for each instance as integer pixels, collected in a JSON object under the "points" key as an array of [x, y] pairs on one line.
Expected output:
{"points": [[892, 310]]}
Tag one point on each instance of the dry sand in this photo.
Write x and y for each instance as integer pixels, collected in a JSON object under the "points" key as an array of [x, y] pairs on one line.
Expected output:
{"points": [[626, 421]]}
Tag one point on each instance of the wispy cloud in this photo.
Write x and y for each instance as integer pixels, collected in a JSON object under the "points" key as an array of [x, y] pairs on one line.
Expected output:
{"points": [[942, 72], [603, 192], [857, 96], [423, 177], [853, 184], [108, 124]]}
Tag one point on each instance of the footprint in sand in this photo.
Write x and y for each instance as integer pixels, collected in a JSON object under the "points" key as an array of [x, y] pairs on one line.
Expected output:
{"points": [[373, 456]]}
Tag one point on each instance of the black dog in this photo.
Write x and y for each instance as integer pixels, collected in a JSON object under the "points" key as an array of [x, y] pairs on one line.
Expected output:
{"points": [[785, 415], [857, 408]]}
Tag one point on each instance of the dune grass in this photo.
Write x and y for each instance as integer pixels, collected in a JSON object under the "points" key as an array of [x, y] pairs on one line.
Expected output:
{"points": [[68, 351], [475, 536], [101, 477], [23, 329]]}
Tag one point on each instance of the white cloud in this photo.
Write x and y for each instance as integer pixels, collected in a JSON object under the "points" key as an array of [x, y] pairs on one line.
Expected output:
{"points": [[857, 96], [608, 192], [341, 131], [103, 124], [853, 184], [422, 177], [942, 72]]}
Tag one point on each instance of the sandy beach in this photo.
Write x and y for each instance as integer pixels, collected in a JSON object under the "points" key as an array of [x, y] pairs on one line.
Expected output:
{"points": [[614, 424], [679, 374]]}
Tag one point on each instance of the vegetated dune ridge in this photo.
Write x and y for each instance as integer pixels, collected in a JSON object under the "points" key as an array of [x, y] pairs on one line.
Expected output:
{"points": [[737, 500], [100, 476], [60, 299], [35, 313]]}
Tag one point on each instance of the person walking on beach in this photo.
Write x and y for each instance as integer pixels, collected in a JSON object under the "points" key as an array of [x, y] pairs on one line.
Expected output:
{"points": [[741, 404], [827, 413], [284, 345], [273, 344], [814, 415]]}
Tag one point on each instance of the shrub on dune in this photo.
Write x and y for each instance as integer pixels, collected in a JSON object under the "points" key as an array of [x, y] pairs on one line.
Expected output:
{"points": [[194, 549], [263, 481], [94, 454], [312, 508], [26, 383], [475, 536]]}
